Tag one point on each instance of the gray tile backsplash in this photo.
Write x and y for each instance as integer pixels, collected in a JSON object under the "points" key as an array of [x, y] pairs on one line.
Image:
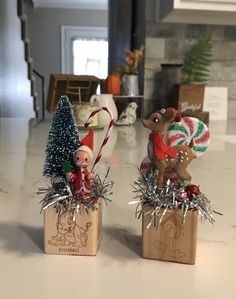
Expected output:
{"points": [[167, 43]]}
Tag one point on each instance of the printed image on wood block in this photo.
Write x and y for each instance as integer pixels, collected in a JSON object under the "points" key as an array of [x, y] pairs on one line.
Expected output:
{"points": [[188, 97], [62, 235], [174, 240]]}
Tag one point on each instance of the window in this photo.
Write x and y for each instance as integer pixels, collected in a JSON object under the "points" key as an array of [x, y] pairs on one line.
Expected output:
{"points": [[90, 57], [84, 50]]}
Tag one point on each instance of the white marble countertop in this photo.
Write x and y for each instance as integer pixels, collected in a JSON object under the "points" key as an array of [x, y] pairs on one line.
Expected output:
{"points": [[117, 271]]}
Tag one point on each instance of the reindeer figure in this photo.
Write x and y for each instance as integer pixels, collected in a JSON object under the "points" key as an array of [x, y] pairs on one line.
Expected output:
{"points": [[161, 155]]}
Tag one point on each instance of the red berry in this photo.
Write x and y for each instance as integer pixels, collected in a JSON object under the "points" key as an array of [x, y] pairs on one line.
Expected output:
{"points": [[192, 189]]}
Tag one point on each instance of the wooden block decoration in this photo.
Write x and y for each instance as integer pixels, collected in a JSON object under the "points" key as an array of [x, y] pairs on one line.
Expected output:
{"points": [[62, 235], [173, 240], [188, 97]]}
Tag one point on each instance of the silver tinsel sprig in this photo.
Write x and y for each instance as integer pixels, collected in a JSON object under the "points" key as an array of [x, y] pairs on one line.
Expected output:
{"points": [[61, 196], [158, 201]]}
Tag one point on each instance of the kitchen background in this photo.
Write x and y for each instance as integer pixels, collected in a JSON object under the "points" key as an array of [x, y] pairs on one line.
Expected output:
{"points": [[131, 23]]}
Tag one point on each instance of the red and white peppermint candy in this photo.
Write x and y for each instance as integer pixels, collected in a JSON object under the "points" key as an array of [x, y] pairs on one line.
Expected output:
{"points": [[107, 136], [189, 131]]}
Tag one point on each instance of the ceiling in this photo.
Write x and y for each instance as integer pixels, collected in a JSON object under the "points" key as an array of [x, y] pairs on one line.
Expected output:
{"points": [[78, 4]]}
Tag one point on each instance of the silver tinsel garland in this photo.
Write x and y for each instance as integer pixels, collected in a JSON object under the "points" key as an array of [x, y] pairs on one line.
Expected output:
{"points": [[62, 197], [158, 201]]}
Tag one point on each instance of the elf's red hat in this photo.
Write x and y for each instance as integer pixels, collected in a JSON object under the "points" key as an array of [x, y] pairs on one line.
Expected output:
{"points": [[86, 143]]}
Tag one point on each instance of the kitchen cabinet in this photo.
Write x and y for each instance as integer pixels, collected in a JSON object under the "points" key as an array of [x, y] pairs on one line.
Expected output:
{"points": [[197, 11]]}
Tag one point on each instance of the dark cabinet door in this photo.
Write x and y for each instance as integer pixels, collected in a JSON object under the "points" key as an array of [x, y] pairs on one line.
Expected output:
{"points": [[126, 26]]}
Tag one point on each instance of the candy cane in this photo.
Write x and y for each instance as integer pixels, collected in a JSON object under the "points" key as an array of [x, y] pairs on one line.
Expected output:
{"points": [[189, 130], [107, 136]]}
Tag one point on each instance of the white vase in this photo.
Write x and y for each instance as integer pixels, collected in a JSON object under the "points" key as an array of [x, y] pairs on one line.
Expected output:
{"points": [[104, 100], [130, 85]]}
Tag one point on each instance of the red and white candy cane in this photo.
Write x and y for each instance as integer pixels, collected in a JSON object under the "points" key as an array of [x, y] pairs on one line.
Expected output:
{"points": [[107, 136]]}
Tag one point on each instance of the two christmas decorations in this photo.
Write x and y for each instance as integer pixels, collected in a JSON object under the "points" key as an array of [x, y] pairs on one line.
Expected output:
{"points": [[165, 198]]}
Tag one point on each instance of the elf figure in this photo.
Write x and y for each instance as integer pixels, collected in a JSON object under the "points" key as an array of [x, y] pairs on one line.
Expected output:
{"points": [[81, 177]]}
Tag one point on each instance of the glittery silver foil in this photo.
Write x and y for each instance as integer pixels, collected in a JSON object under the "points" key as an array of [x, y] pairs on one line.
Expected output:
{"points": [[61, 196], [158, 201]]}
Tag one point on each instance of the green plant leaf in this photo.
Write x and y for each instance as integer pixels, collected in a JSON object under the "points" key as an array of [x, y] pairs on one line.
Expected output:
{"points": [[198, 60]]}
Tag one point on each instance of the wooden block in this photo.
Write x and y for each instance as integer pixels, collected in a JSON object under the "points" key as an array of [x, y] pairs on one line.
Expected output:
{"points": [[173, 241], [188, 97], [62, 235]]}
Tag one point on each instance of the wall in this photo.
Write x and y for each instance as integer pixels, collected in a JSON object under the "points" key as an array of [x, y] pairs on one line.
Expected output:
{"points": [[167, 43], [45, 33], [15, 99]]}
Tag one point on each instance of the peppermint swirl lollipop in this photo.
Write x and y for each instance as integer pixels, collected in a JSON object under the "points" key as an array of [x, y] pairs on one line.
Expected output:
{"points": [[189, 131]]}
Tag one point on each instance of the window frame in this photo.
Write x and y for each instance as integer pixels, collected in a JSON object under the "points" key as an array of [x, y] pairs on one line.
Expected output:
{"points": [[69, 34]]}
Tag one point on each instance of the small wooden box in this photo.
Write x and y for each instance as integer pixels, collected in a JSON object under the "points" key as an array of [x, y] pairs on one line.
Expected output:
{"points": [[77, 87], [62, 235], [188, 97], [173, 240]]}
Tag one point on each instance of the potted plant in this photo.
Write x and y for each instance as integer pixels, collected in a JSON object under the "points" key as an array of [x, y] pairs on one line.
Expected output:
{"points": [[189, 95], [129, 71]]}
